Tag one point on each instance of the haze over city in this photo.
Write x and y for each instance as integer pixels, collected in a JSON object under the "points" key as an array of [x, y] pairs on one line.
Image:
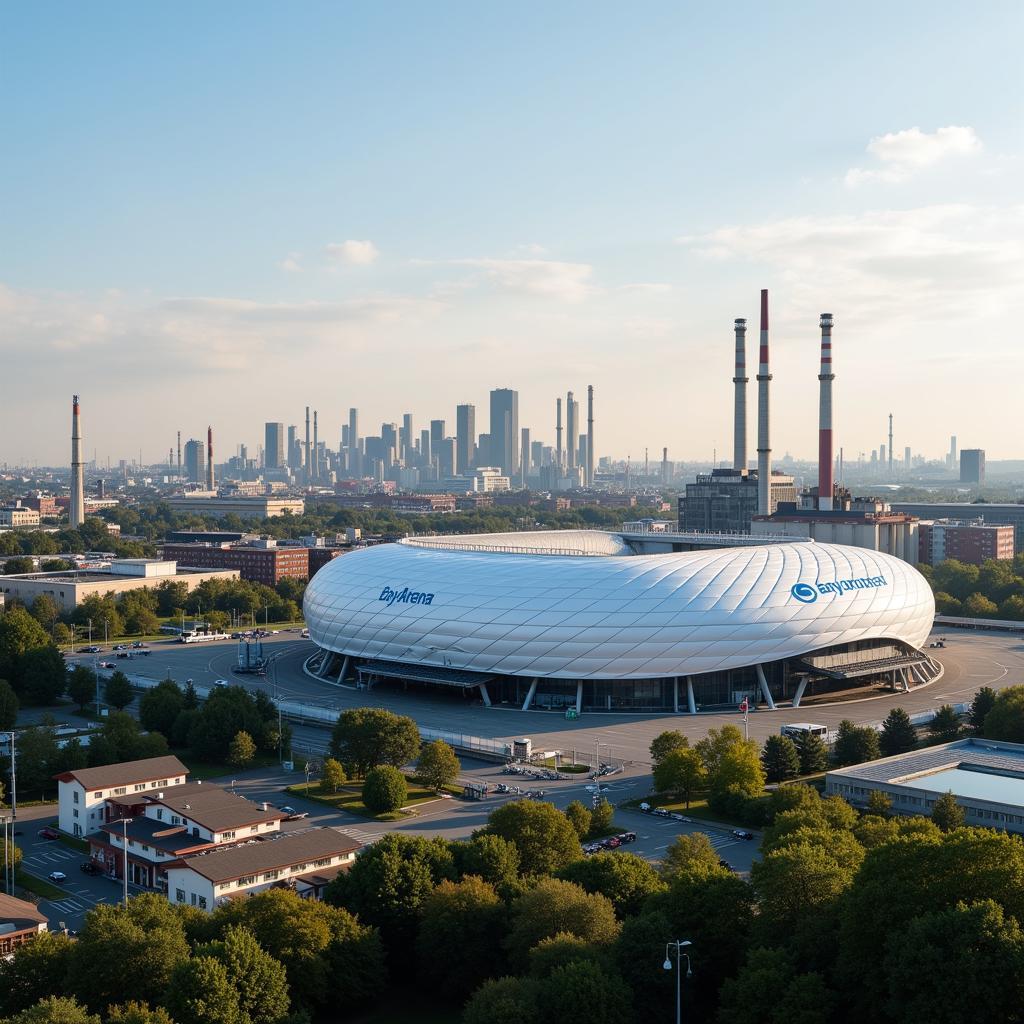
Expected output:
{"points": [[223, 214]]}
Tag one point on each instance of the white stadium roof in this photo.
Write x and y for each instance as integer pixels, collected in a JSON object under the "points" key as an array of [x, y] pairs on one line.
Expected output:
{"points": [[481, 604]]}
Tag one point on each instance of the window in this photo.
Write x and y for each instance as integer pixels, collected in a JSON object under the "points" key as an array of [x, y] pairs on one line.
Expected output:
{"points": [[163, 782], [202, 902], [98, 794], [269, 876], [121, 791], [255, 828], [139, 787], [175, 820], [160, 813], [145, 849], [193, 895], [76, 795], [179, 895], [223, 886], [227, 835], [75, 812], [246, 880]]}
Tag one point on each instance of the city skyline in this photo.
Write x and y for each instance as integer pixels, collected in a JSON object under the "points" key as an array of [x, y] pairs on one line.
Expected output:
{"points": [[204, 251]]}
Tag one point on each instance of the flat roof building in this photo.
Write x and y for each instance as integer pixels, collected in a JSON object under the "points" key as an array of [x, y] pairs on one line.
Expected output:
{"points": [[243, 506], [726, 500], [971, 542], [991, 513], [259, 561], [69, 588]]}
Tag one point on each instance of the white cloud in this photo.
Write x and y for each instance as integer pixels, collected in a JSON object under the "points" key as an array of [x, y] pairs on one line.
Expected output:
{"points": [[352, 251], [551, 278], [901, 154], [292, 263]]}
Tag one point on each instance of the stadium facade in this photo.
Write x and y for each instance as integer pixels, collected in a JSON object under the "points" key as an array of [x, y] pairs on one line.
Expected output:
{"points": [[580, 619]]}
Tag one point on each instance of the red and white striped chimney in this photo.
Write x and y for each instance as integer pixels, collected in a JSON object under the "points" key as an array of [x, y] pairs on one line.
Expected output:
{"points": [[764, 448], [826, 376]]}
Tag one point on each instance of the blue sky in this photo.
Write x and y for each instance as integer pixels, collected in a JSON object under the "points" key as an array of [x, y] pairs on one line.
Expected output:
{"points": [[225, 212]]}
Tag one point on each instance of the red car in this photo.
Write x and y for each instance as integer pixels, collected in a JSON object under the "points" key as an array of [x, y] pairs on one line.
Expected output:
{"points": [[48, 833]]}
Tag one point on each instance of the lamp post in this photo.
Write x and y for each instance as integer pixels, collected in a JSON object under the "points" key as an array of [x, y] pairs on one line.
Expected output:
{"points": [[14, 781], [679, 946], [125, 822], [8, 888]]}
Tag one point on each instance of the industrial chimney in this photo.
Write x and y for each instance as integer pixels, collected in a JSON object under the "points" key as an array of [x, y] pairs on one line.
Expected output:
{"points": [[558, 435], [179, 455], [825, 377], [739, 446], [308, 463], [764, 451], [209, 458], [316, 447], [890, 444], [76, 509], [572, 437], [590, 435]]}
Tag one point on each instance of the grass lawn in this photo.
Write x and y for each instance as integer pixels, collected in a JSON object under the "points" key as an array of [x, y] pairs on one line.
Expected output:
{"points": [[39, 886], [203, 770], [350, 799]]}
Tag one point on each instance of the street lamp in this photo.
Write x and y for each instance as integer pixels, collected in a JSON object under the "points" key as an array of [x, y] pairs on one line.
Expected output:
{"points": [[8, 885], [679, 946], [125, 822], [14, 781]]}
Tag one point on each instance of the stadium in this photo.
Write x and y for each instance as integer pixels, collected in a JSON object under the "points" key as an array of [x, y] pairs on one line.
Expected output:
{"points": [[580, 619]]}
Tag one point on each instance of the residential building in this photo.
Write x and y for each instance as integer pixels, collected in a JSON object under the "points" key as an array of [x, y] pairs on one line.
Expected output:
{"points": [[195, 461], [70, 587], [261, 561], [305, 861], [244, 507], [18, 515], [82, 793], [972, 542], [972, 466], [992, 513], [20, 922]]}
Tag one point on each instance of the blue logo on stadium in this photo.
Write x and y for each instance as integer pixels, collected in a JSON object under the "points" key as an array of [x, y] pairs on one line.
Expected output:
{"points": [[404, 596], [804, 593]]}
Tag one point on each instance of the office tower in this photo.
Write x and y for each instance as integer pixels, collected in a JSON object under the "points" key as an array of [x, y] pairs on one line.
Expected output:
{"points": [[195, 461], [881, 454], [209, 459], [589, 461], [505, 430], [389, 437], [906, 458], [179, 454], [273, 445], [353, 428], [536, 454], [524, 456], [436, 431], [315, 464], [465, 435], [581, 458], [76, 509], [405, 439], [444, 452], [292, 451], [972, 466], [572, 431], [425, 454]]}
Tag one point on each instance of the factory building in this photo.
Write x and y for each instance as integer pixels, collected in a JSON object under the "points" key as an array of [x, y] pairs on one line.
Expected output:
{"points": [[972, 542]]}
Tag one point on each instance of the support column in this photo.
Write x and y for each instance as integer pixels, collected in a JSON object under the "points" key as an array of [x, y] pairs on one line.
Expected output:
{"points": [[906, 682], [765, 691], [579, 696], [675, 694], [485, 695], [690, 699], [799, 695], [325, 666], [530, 694], [344, 669]]}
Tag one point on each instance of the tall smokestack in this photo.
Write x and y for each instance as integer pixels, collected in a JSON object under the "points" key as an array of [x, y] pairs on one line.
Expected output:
{"points": [[590, 435], [764, 450], [76, 509], [209, 458], [739, 445], [308, 453], [558, 435], [825, 377], [316, 447], [890, 444], [664, 466], [179, 454], [572, 438]]}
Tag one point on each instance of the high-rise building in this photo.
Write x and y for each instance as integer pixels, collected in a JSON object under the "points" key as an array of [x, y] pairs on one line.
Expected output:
{"points": [[195, 461], [444, 453], [405, 439], [425, 453], [504, 448], [972, 466], [465, 437], [524, 456], [436, 431], [273, 445], [353, 428], [294, 448], [572, 431]]}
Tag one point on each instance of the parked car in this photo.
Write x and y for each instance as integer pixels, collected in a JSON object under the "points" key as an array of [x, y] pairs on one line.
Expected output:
{"points": [[137, 644], [120, 647], [92, 650], [612, 843], [57, 876], [725, 864], [626, 837], [221, 682], [107, 664], [740, 833], [660, 812], [48, 833], [237, 636], [90, 867], [297, 815], [676, 816], [124, 654], [645, 807]]}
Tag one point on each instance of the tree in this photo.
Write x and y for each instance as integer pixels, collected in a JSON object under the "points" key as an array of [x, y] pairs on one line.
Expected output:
{"points": [[667, 742], [122, 740], [118, 692], [54, 1010], [37, 754], [738, 778], [438, 766], [716, 744], [977, 606], [201, 992], [541, 833], [680, 771], [366, 737], [975, 943], [780, 759], [945, 726], [504, 1001], [8, 705], [792, 881], [260, 980], [385, 789], [159, 707], [553, 906], [19, 634], [490, 857], [459, 938], [39, 970], [1005, 721], [768, 991], [946, 604], [984, 701], [855, 744], [18, 566], [947, 813], [626, 879], [45, 611], [879, 803], [583, 992], [137, 1013], [43, 674], [1012, 608], [601, 818], [191, 698], [898, 734], [82, 685], [579, 817], [813, 753], [332, 778], [242, 751], [689, 853]]}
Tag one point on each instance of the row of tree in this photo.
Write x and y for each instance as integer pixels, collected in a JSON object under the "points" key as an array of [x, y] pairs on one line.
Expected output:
{"points": [[992, 590]]}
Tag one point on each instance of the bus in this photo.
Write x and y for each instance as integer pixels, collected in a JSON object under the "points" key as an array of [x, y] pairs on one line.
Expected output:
{"points": [[797, 729], [198, 638]]}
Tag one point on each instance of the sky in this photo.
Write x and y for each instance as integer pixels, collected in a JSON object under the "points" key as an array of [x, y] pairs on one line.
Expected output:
{"points": [[220, 213]]}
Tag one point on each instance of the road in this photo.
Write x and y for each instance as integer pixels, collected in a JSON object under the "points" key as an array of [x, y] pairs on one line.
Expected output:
{"points": [[971, 660]]}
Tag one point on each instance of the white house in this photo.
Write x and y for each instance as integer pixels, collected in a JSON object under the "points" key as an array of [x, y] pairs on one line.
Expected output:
{"points": [[305, 861], [83, 792]]}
